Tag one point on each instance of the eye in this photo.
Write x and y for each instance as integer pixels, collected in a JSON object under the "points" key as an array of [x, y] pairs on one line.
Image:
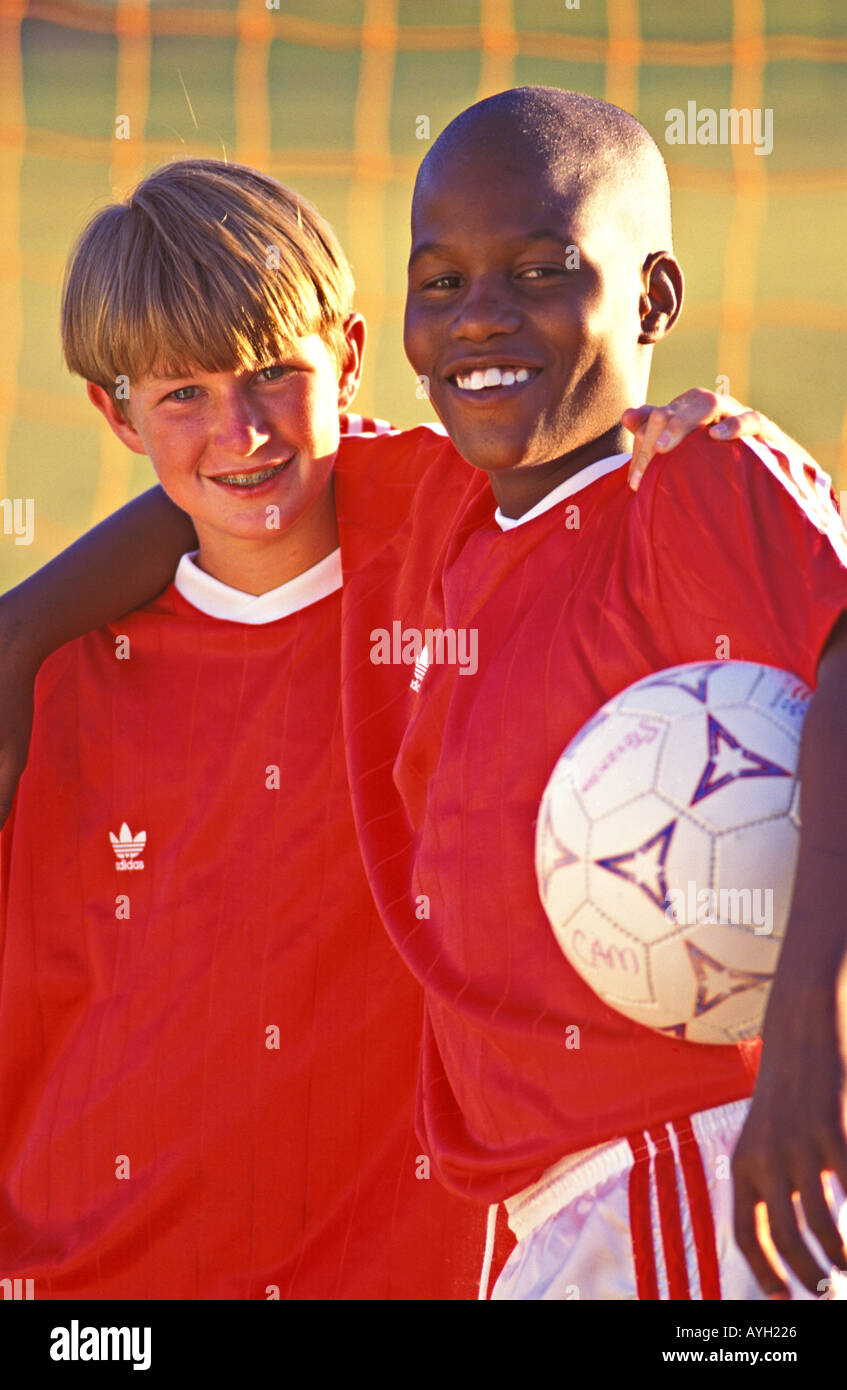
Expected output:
{"points": [[540, 272], [448, 281], [180, 393], [272, 373]]}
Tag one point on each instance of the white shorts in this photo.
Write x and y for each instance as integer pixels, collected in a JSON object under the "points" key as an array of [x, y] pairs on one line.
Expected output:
{"points": [[648, 1217]]}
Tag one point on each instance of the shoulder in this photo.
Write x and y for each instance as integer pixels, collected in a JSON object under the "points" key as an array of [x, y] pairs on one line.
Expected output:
{"points": [[407, 449], [86, 653], [746, 481], [364, 424], [379, 472]]}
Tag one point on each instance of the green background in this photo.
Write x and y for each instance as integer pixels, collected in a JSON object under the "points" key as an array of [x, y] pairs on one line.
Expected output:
{"points": [[328, 96]]}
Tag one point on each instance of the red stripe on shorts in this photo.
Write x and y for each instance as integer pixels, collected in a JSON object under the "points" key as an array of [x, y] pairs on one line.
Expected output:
{"points": [[669, 1215], [640, 1224], [700, 1207]]}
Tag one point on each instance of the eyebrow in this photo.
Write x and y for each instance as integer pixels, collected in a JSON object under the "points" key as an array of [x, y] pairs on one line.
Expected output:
{"points": [[443, 248], [169, 375]]}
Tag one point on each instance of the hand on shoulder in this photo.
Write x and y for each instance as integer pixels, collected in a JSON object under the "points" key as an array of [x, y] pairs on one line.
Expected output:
{"points": [[658, 429]]}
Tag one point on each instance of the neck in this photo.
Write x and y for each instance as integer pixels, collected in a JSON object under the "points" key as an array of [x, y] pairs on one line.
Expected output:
{"points": [[255, 566], [518, 490]]}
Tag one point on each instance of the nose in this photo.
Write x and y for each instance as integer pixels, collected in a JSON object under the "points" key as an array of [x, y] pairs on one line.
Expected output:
{"points": [[240, 427], [486, 310]]}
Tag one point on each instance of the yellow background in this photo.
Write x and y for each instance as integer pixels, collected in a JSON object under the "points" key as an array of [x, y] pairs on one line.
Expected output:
{"points": [[326, 97]]}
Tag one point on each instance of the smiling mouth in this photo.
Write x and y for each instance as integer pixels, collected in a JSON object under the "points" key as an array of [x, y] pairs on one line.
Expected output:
{"points": [[493, 378], [249, 480]]}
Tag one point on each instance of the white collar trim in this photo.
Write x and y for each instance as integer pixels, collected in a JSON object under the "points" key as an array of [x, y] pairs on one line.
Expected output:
{"points": [[582, 479], [208, 594]]}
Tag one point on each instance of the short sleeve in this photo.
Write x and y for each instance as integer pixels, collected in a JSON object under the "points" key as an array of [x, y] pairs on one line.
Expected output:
{"points": [[748, 553]]}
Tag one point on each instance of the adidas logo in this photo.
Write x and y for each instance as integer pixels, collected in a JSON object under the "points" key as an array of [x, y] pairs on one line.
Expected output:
{"points": [[421, 668], [127, 849]]}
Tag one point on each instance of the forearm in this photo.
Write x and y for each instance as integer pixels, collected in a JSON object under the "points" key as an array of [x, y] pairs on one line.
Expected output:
{"points": [[795, 1130], [124, 562], [816, 938]]}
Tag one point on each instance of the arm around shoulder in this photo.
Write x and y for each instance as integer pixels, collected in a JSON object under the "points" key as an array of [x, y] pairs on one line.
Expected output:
{"points": [[118, 566]]}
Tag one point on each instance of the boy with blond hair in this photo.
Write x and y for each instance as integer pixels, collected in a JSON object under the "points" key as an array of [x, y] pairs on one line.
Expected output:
{"points": [[208, 1045]]}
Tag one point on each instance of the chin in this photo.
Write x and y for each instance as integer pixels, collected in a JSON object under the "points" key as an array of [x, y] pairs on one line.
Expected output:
{"points": [[490, 455], [491, 461], [254, 529]]}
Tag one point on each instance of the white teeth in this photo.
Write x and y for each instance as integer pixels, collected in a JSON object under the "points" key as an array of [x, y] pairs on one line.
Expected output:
{"points": [[492, 376]]}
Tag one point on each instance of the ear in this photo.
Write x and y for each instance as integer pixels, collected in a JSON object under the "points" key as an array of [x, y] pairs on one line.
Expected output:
{"points": [[119, 423], [355, 337], [661, 298]]}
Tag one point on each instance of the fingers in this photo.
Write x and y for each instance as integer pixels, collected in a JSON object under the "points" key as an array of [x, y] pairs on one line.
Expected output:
{"points": [[636, 416], [743, 422], [658, 429], [785, 1218], [752, 1236], [655, 426], [666, 426], [771, 1234], [821, 1222], [633, 420]]}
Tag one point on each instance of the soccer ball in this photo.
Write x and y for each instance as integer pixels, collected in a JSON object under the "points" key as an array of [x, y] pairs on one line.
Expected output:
{"points": [[667, 842]]}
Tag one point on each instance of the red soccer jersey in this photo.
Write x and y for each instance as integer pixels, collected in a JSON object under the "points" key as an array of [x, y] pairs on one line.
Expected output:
{"points": [[208, 1045], [718, 541]]}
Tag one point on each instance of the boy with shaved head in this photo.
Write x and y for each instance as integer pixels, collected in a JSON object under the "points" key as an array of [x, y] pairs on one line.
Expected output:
{"points": [[570, 164], [540, 278]]}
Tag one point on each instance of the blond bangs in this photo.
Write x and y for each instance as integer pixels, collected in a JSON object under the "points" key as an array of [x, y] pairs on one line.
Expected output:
{"points": [[207, 266]]}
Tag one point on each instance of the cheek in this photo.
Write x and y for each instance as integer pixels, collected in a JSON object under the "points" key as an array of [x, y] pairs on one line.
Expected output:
{"points": [[597, 338], [302, 413], [314, 415], [415, 339], [174, 451]]}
